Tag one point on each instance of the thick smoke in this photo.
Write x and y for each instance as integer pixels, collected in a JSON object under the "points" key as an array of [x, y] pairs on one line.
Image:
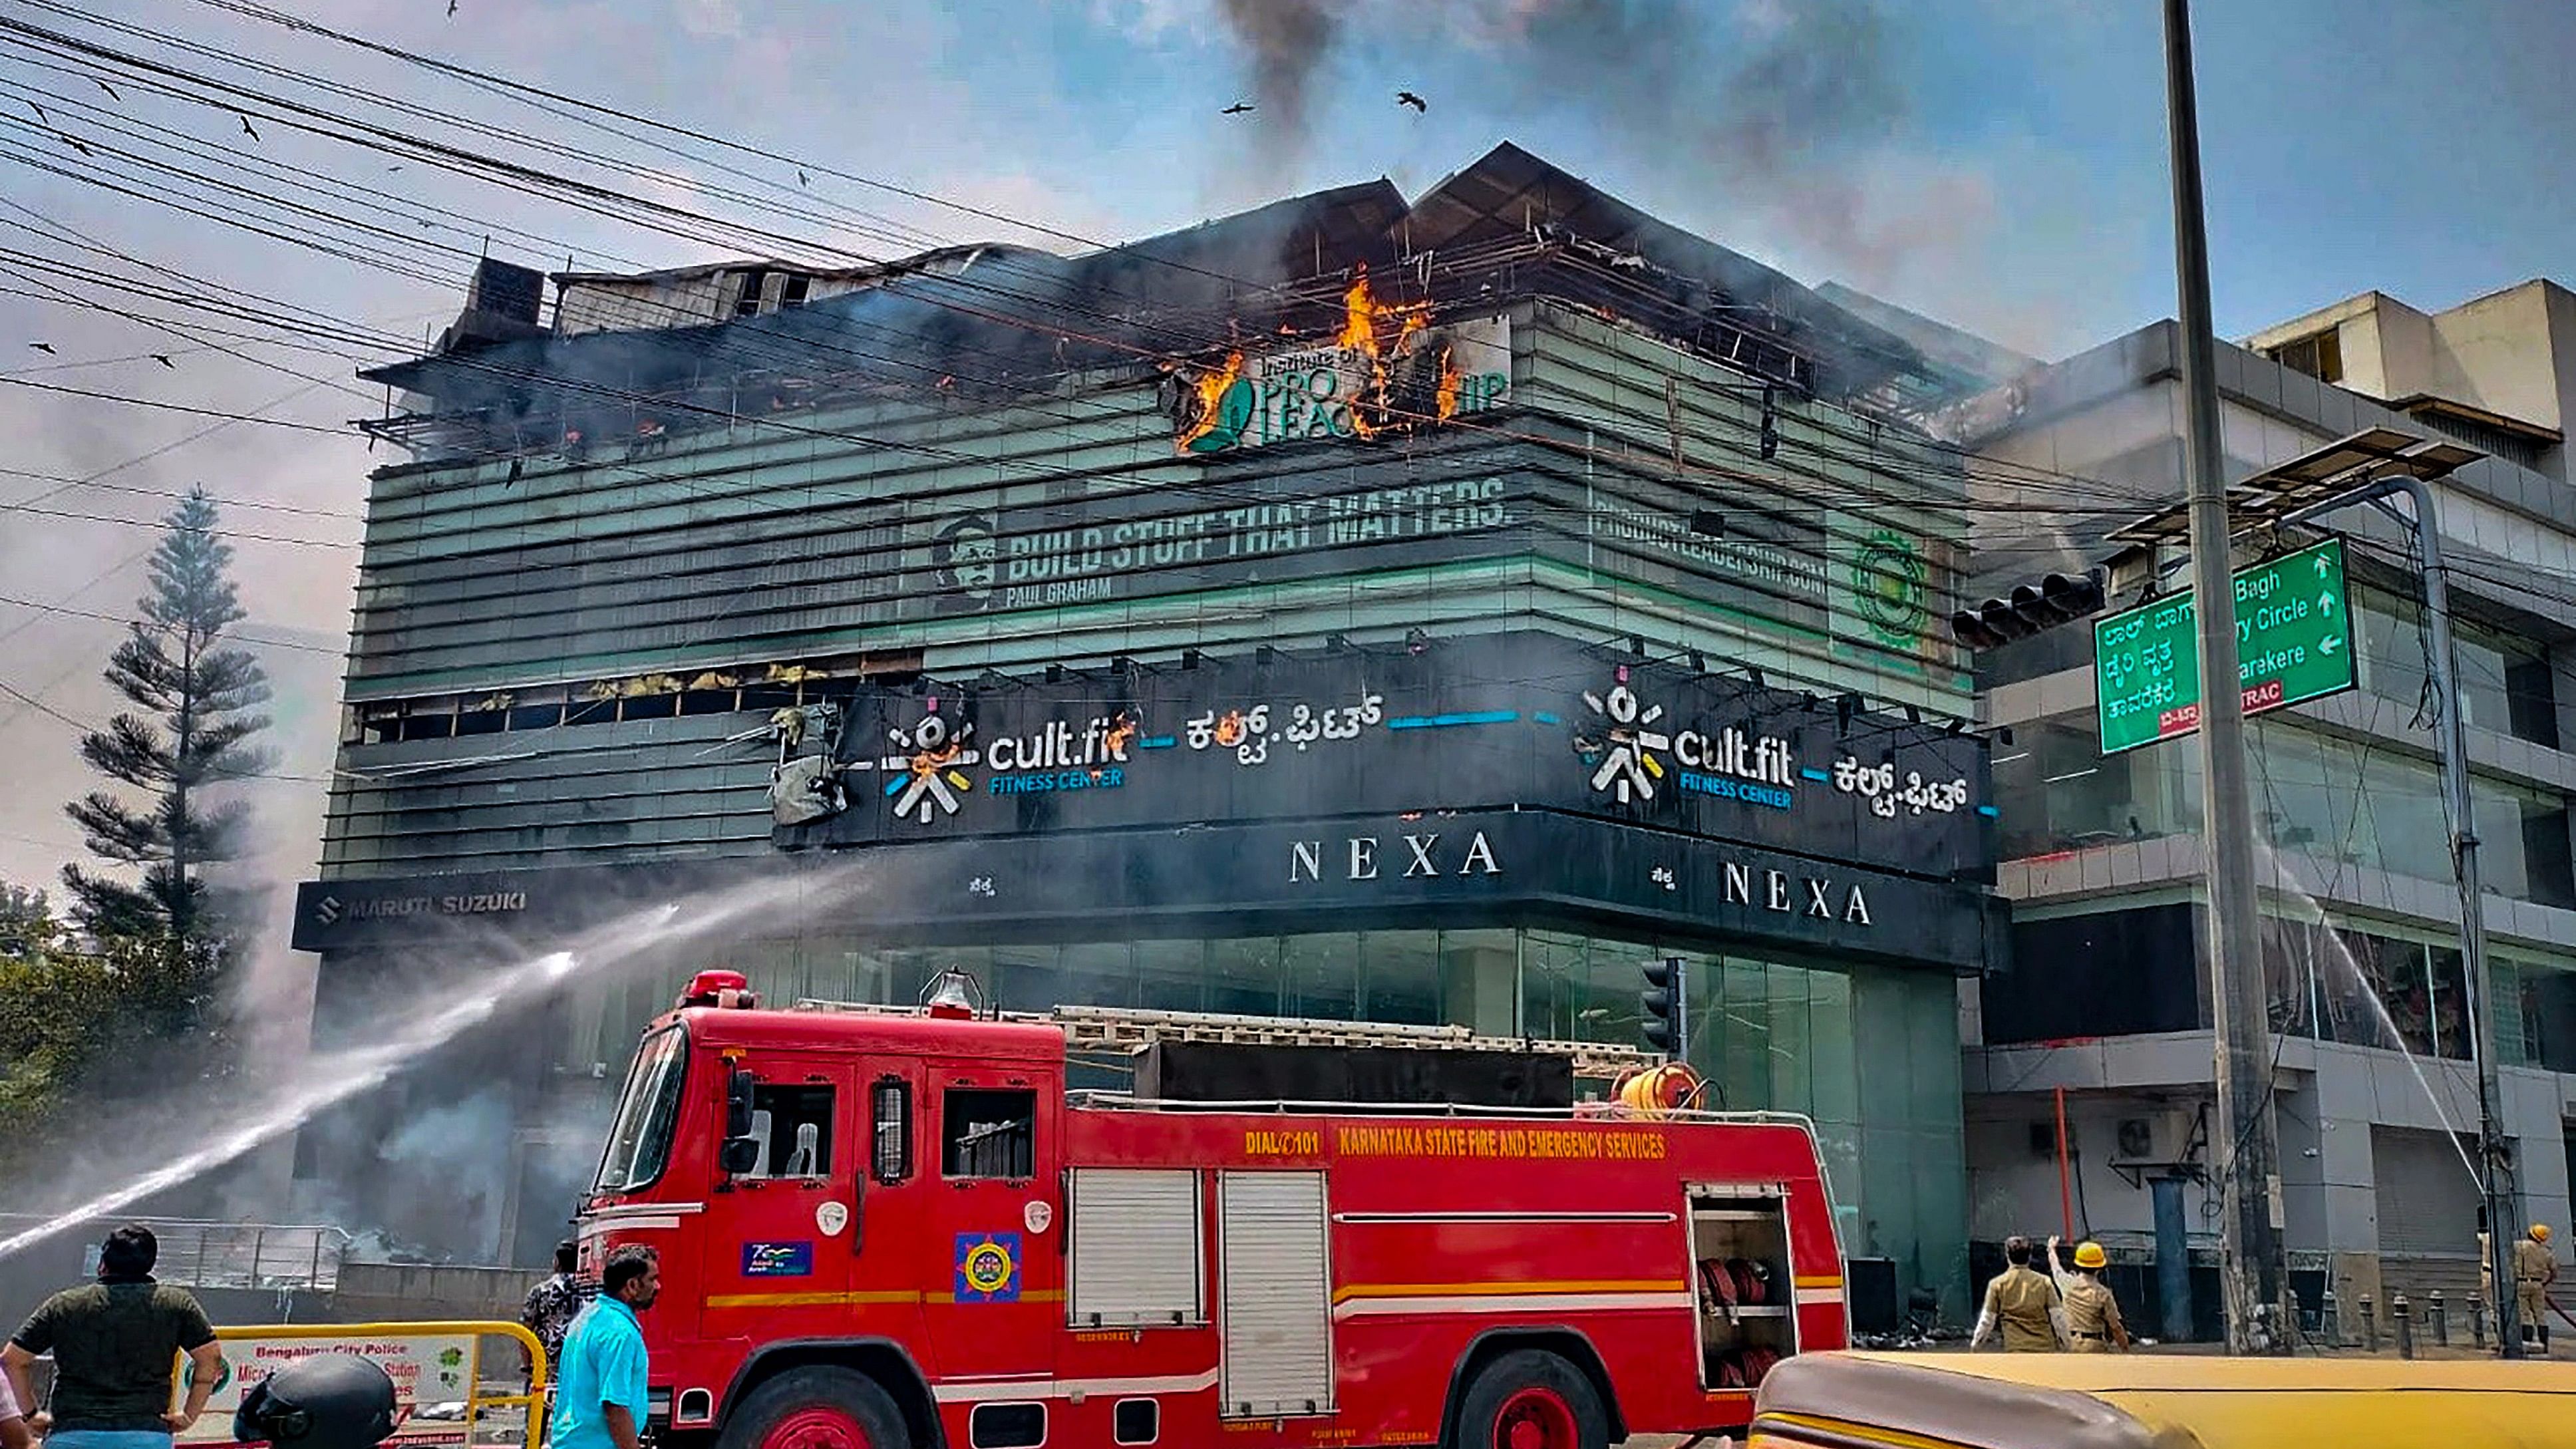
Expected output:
{"points": [[1283, 42], [1789, 109]]}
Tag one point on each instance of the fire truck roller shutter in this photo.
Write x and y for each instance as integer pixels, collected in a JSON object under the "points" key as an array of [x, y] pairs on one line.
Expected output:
{"points": [[1277, 1301], [1135, 1258]]}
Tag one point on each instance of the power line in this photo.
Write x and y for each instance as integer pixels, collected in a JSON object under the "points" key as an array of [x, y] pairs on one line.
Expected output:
{"points": [[249, 639], [145, 402]]}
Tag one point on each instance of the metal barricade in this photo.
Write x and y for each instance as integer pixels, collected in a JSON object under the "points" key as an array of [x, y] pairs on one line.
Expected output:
{"points": [[436, 1368]]}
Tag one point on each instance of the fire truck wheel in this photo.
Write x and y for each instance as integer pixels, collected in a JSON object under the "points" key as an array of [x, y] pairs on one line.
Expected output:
{"points": [[1531, 1399], [816, 1408]]}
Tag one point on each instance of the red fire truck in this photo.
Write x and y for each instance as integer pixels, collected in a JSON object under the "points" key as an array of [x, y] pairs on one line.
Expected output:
{"points": [[899, 1230]]}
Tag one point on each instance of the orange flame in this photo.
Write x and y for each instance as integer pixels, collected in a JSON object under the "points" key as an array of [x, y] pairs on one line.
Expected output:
{"points": [[1364, 317], [1365, 321], [1449, 380], [1211, 388], [931, 763], [1229, 730], [1121, 736]]}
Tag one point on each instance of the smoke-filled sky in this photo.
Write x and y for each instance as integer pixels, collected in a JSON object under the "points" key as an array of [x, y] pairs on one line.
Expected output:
{"points": [[1997, 163]]}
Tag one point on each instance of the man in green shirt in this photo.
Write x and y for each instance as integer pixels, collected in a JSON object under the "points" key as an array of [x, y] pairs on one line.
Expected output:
{"points": [[114, 1343]]}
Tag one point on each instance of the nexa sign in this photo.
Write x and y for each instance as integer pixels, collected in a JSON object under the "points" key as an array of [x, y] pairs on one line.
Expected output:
{"points": [[1806, 895], [1359, 857]]}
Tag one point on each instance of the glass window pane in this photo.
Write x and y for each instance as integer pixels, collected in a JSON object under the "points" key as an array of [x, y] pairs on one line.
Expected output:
{"points": [[1401, 976], [1171, 975], [1097, 973], [1243, 976], [1319, 975]]}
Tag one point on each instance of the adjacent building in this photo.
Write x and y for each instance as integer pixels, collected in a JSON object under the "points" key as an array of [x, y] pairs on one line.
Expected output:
{"points": [[2108, 997], [1417, 610]]}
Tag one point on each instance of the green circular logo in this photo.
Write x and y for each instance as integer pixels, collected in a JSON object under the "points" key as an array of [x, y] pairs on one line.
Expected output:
{"points": [[1889, 579]]}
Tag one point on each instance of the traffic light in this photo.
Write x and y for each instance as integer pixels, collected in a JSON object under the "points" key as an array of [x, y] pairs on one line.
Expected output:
{"points": [[1667, 1020], [2030, 609]]}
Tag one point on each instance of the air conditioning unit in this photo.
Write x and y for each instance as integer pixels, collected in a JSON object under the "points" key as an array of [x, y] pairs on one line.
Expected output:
{"points": [[2151, 1137]]}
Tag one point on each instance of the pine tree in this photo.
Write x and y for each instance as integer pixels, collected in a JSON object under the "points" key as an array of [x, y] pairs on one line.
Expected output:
{"points": [[189, 733]]}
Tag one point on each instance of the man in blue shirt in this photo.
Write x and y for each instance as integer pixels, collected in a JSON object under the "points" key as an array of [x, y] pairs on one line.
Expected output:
{"points": [[600, 1393]]}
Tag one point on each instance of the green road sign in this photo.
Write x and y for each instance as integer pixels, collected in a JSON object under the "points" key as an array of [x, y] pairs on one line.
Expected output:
{"points": [[2293, 643]]}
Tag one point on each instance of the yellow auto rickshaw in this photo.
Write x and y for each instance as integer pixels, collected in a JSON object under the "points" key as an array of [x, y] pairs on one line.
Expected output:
{"points": [[2158, 1401]]}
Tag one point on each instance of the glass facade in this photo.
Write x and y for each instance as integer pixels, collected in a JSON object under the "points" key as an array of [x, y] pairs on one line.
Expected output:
{"points": [[2141, 969], [1871, 1054], [2505, 682], [2334, 800]]}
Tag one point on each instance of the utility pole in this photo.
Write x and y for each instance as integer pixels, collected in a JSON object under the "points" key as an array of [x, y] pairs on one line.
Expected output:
{"points": [[2495, 1180], [2250, 1258]]}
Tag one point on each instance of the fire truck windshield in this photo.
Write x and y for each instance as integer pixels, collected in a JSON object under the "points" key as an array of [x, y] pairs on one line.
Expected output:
{"points": [[640, 1142]]}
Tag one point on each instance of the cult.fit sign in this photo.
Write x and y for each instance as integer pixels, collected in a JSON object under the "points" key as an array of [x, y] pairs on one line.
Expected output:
{"points": [[1472, 721]]}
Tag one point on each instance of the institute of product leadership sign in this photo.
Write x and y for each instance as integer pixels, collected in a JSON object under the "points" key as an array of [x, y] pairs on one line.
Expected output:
{"points": [[1505, 720], [433, 1376]]}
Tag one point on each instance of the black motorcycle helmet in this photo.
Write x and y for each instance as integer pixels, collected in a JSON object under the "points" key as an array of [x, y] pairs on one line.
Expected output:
{"points": [[330, 1401]]}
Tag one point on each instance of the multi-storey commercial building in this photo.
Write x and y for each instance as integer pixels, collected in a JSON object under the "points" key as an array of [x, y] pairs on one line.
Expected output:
{"points": [[2109, 1000], [1423, 611]]}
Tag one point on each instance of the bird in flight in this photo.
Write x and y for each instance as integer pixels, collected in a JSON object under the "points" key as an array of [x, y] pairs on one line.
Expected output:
{"points": [[802, 179], [77, 146], [163, 358], [46, 348], [1238, 108], [1408, 98], [451, 9], [247, 130]]}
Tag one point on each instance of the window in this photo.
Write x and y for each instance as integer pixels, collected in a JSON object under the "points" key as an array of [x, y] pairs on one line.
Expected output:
{"points": [[989, 1132], [639, 1141], [1136, 1421], [891, 1129], [2320, 356], [793, 1124], [1007, 1426]]}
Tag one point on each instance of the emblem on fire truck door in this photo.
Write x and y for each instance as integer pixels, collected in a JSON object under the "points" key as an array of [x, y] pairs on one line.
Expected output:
{"points": [[988, 1268]]}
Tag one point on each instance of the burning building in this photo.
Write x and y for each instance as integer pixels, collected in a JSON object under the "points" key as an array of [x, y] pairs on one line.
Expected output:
{"points": [[1358, 608]]}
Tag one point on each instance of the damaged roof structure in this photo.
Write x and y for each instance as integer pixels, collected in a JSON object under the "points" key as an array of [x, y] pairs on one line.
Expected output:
{"points": [[996, 321]]}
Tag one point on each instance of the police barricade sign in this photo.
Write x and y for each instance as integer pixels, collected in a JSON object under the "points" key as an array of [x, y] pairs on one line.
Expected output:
{"points": [[434, 1367]]}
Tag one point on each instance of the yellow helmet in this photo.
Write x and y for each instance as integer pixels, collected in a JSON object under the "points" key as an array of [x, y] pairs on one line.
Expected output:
{"points": [[2540, 1232], [2090, 1256]]}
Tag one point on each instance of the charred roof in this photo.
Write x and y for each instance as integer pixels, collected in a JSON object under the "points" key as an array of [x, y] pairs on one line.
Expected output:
{"points": [[999, 320]]}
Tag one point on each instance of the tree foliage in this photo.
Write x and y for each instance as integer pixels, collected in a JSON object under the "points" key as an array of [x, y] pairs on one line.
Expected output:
{"points": [[194, 714], [69, 1012]]}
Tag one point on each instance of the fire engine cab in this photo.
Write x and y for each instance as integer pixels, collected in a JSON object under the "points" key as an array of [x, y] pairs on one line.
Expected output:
{"points": [[898, 1229]]}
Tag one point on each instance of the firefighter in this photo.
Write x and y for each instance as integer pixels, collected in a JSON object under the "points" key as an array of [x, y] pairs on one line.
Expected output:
{"points": [[2023, 1304], [2092, 1310], [2534, 1269]]}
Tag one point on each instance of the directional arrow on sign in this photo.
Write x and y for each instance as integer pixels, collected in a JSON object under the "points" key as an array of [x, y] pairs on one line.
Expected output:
{"points": [[2329, 644], [2326, 601], [2321, 565]]}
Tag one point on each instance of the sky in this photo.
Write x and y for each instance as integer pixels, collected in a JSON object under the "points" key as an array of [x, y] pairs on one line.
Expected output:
{"points": [[2000, 164]]}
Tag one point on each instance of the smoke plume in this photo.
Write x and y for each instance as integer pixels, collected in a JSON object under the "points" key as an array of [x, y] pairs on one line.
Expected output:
{"points": [[1790, 111], [1283, 42]]}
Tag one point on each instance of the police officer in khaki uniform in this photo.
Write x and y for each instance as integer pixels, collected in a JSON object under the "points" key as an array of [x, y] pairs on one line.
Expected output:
{"points": [[2534, 1269], [2023, 1304], [2092, 1311]]}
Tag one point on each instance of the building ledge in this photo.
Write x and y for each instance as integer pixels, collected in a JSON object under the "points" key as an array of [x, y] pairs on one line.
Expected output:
{"points": [[2128, 866]]}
